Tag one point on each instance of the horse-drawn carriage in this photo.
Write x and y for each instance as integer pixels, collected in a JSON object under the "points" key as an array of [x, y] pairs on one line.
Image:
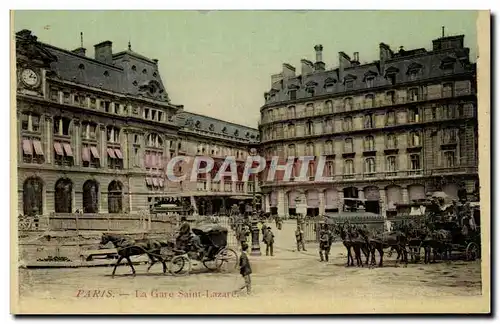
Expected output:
{"points": [[214, 253]]}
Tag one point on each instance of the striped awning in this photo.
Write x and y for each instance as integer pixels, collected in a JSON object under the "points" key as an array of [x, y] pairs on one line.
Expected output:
{"points": [[86, 154], [149, 182], [118, 154], [111, 153], [38, 147], [95, 154], [67, 149], [27, 147], [58, 148]]}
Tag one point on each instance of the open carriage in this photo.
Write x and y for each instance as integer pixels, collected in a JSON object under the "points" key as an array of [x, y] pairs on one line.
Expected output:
{"points": [[215, 255]]}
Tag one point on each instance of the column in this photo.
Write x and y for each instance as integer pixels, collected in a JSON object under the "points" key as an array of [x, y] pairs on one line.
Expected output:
{"points": [[321, 194], [301, 206], [124, 148], [281, 203], [406, 199], [383, 208], [48, 142], [104, 154], [266, 201], [340, 200], [361, 194], [78, 143]]}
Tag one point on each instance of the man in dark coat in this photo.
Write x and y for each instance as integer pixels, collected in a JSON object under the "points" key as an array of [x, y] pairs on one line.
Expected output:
{"points": [[269, 241], [324, 244], [299, 237], [245, 269]]}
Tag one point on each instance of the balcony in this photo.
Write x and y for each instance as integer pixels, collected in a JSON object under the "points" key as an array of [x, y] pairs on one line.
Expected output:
{"points": [[454, 170], [240, 187], [201, 185]]}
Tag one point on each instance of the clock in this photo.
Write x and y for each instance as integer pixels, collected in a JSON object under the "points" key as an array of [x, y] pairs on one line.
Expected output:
{"points": [[30, 77]]}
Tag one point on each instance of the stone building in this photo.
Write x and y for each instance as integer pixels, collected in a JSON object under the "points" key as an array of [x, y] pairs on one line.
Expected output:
{"points": [[95, 133], [392, 130]]}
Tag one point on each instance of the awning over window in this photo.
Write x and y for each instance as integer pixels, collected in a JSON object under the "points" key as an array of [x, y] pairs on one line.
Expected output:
{"points": [[111, 153], [161, 182], [58, 148], [86, 154], [118, 154], [95, 154], [67, 149], [27, 147], [147, 160], [155, 182], [38, 147], [149, 182]]}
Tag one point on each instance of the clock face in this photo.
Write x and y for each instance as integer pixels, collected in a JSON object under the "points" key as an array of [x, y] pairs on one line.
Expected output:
{"points": [[29, 77]]}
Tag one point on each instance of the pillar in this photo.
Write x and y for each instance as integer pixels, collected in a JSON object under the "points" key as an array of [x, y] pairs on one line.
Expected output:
{"points": [[321, 194], [301, 206], [361, 194], [281, 203], [48, 142], [383, 203], [340, 200], [78, 143], [103, 153], [266, 201], [405, 196]]}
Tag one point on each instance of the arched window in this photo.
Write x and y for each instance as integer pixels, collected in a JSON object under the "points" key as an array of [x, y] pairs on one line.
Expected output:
{"points": [[33, 196], [309, 127], [348, 167], [115, 203], [90, 196], [329, 147], [368, 121], [348, 145], [369, 143], [391, 118], [291, 150], [370, 165], [154, 140], [347, 124], [415, 139], [30, 122], [63, 197], [113, 134], [391, 141]]}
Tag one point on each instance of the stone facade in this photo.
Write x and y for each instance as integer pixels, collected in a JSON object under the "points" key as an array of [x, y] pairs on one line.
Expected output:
{"points": [[95, 134], [391, 130]]}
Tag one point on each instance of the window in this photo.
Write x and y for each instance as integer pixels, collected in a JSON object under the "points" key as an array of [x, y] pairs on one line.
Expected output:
{"points": [[349, 84], [115, 158], [415, 162], [106, 105], [93, 103], [62, 126], [197, 124], [291, 150], [291, 112], [390, 118], [291, 130], [54, 95], [434, 113], [154, 140], [310, 110], [32, 150], [392, 78], [309, 128], [391, 164], [413, 94], [144, 71], [292, 94], [113, 134], [137, 157], [348, 145], [368, 121], [347, 104], [449, 136], [412, 75], [415, 139], [413, 115], [160, 116], [90, 156], [448, 90], [450, 111], [449, 159], [66, 97], [328, 147], [30, 122], [330, 168], [391, 141], [310, 91], [369, 143], [236, 133], [89, 131], [329, 87], [348, 167], [369, 82], [63, 153], [347, 124], [370, 165], [328, 126], [328, 106], [310, 149], [369, 100], [390, 97]]}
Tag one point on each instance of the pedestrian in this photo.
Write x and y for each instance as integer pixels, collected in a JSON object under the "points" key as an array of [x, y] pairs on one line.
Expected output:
{"points": [[242, 235], [245, 269], [324, 245], [269, 241], [299, 237]]}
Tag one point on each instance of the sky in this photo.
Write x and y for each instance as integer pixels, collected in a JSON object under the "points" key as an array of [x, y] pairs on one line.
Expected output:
{"points": [[219, 63]]}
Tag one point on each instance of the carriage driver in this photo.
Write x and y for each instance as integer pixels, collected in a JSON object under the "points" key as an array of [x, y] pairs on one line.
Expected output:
{"points": [[186, 240]]}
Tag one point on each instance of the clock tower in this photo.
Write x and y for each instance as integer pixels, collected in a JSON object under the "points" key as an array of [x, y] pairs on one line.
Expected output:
{"points": [[32, 63]]}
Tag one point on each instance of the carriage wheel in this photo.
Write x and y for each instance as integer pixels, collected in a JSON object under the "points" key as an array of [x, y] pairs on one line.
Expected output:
{"points": [[225, 260], [472, 251], [180, 265]]}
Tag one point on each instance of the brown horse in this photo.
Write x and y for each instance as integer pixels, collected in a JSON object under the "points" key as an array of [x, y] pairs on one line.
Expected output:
{"points": [[438, 242], [127, 247], [378, 242], [352, 242]]}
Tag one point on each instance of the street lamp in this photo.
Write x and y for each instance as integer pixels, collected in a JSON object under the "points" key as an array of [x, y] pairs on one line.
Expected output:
{"points": [[255, 229]]}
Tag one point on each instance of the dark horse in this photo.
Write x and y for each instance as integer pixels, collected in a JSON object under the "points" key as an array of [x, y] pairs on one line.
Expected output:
{"points": [[437, 241], [352, 242], [127, 247], [396, 240]]}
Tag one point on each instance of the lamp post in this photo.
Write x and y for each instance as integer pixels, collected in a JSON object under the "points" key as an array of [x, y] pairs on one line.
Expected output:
{"points": [[255, 229]]}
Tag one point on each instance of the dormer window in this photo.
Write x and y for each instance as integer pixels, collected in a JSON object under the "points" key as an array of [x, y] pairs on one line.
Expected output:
{"points": [[134, 68], [412, 75], [369, 81], [144, 71], [197, 124], [211, 127], [413, 71], [224, 130], [310, 91], [349, 84], [448, 64], [292, 94], [391, 73], [81, 66], [106, 73], [236, 133], [330, 84]]}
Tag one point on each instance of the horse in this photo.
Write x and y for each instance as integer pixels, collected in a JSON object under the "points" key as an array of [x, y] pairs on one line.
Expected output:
{"points": [[127, 248], [437, 241], [351, 242], [378, 242]]}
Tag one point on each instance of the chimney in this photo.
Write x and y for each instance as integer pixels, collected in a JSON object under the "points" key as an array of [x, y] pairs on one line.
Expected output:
{"points": [[307, 67], [275, 78], [319, 65], [344, 63], [288, 71], [80, 51], [385, 54], [355, 59], [104, 52]]}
